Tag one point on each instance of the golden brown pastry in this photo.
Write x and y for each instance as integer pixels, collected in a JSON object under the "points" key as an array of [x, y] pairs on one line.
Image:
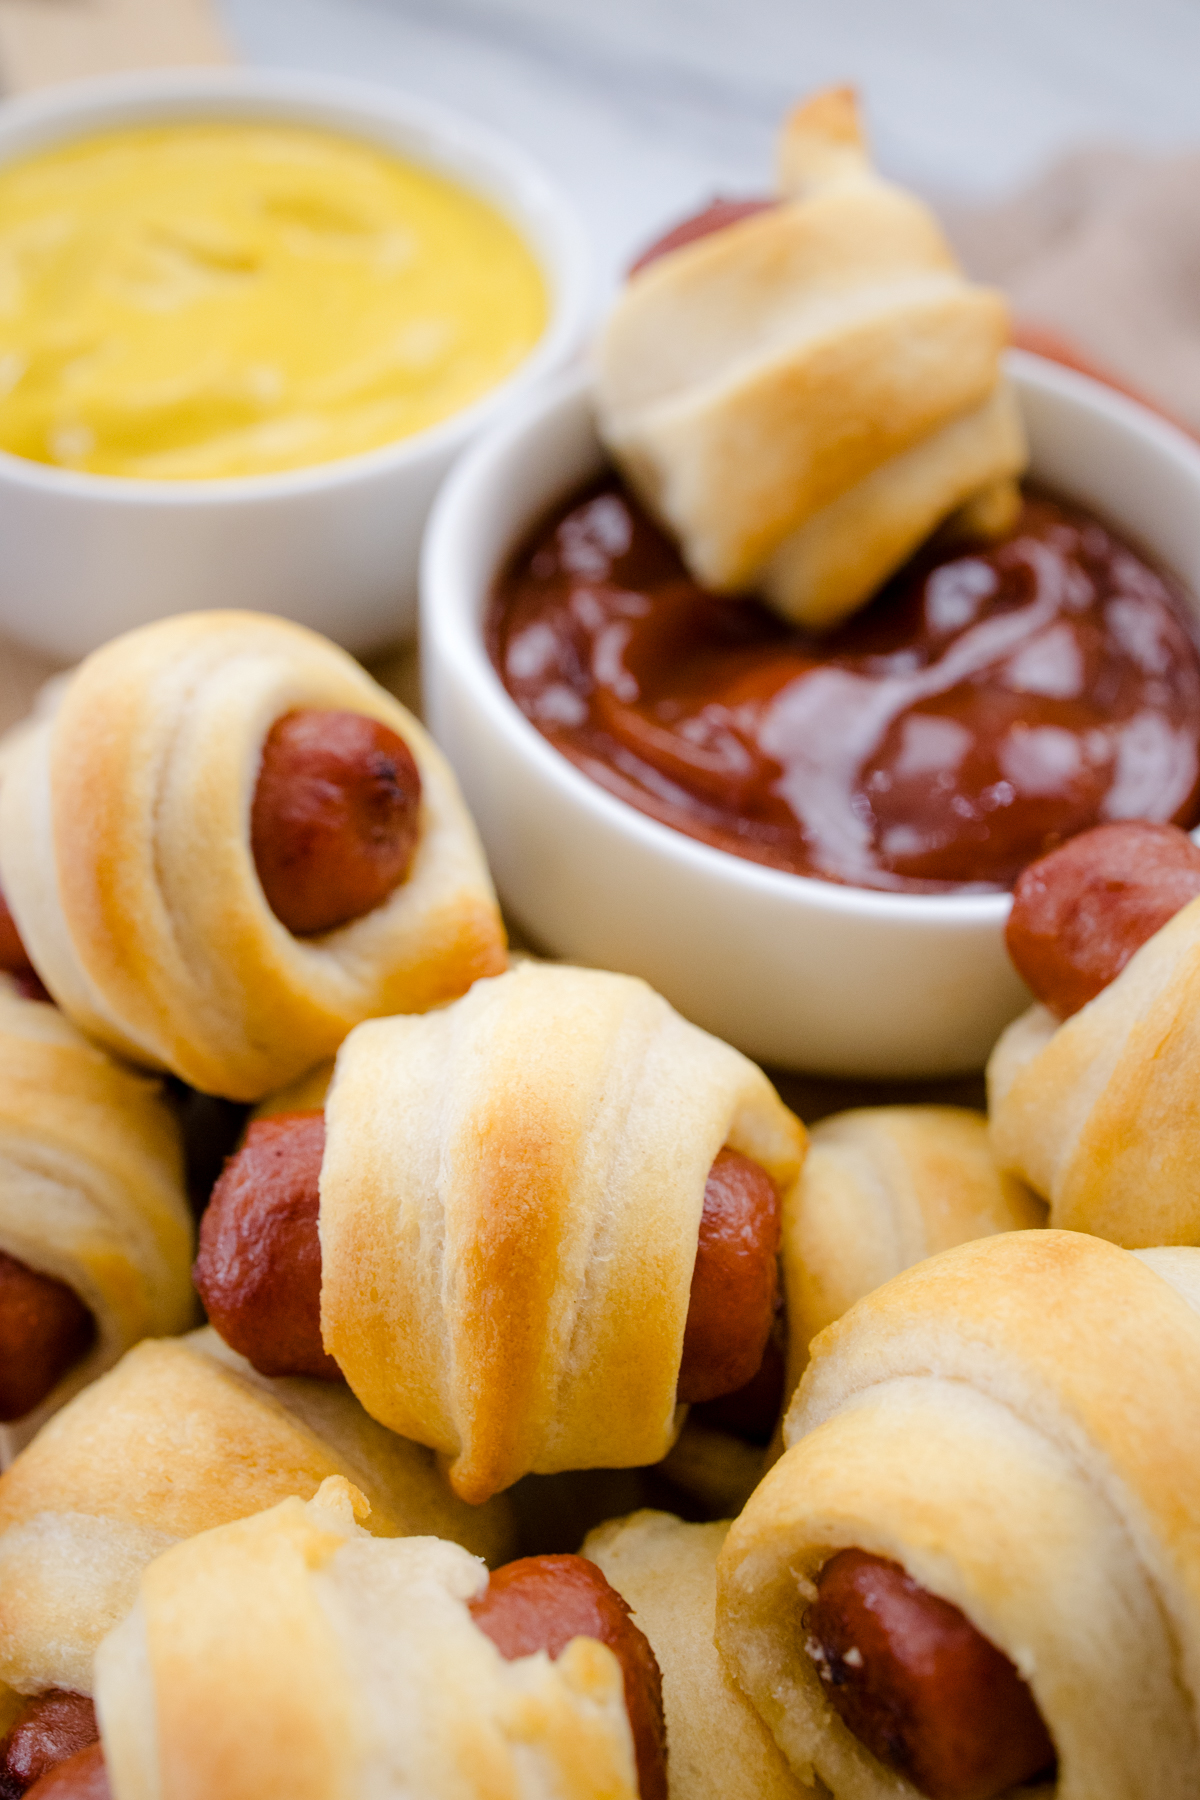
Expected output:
{"points": [[293, 1653], [126, 858], [882, 1188], [182, 1436], [1099, 1113], [803, 396], [666, 1570], [91, 1197], [1008, 1434], [511, 1197]]}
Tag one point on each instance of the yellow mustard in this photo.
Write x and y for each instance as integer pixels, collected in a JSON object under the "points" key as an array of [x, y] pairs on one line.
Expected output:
{"points": [[211, 299]]}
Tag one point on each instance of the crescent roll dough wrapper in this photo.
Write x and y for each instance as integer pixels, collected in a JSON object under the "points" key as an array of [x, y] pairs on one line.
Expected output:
{"points": [[180, 1437], [1017, 1423], [91, 1189], [125, 857], [510, 1205], [802, 396], [293, 1653], [666, 1570], [882, 1188], [1101, 1114]]}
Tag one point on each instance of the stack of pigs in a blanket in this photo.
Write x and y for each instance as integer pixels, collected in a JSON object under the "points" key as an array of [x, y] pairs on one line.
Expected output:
{"points": [[525, 1221]]}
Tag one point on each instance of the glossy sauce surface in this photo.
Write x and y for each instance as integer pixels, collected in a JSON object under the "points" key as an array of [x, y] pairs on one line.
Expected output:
{"points": [[991, 702]]}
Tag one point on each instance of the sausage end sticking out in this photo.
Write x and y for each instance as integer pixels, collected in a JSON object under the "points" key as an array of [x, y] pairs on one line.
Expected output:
{"points": [[83, 1776], [335, 818], [44, 1330], [14, 958], [1079, 913], [50, 1728], [258, 1270], [735, 1283], [918, 1685], [13, 955], [542, 1602], [715, 217]]}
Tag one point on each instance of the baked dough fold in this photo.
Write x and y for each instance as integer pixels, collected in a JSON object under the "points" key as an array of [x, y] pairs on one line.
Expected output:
{"points": [[804, 395], [1016, 1422], [180, 1437], [882, 1188], [125, 857], [91, 1188], [1101, 1114], [510, 1203], [666, 1571], [292, 1653]]}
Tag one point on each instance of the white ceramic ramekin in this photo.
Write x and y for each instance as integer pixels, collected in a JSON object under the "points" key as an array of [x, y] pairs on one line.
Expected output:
{"points": [[801, 973], [335, 546]]}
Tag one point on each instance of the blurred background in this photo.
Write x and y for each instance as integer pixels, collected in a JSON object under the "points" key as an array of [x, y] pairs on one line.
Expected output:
{"points": [[643, 107], [1056, 137]]}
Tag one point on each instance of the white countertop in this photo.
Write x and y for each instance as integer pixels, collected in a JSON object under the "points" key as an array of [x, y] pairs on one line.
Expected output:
{"points": [[642, 108]]}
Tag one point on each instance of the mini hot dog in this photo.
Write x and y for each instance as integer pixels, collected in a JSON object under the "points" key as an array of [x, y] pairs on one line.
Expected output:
{"points": [[83, 1776], [538, 1603], [95, 1229], [718, 215], [14, 958], [1091, 1093], [335, 818], [45, 1329], [50, 1728], [542, 1602], [1081, 912], [527, 1259], [735, 1283], [258, 1270], [228, 845], [955, 1575], [918, 1685], [409, 1692]]}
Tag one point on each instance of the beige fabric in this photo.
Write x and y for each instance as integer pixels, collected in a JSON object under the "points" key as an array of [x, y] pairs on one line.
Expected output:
{"points": [[180, 1437], [510, 1201], [1100, 252], [666, 1570], [1017, 1422], [42, 44], [882, 1188], [91, 1187], [801, 397], [125, 856], [1101, 1114], [293, 1653]]}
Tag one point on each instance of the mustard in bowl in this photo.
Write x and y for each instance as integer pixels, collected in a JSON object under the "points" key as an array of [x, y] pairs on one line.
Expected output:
{"points": [[247, 321]]}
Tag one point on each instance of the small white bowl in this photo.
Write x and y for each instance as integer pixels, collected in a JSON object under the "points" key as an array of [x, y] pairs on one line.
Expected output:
{"points": [[801, 973], [335, 546]]}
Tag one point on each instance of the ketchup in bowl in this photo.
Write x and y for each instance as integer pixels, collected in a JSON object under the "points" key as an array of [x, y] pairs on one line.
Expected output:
{"points": [[992, 701]]}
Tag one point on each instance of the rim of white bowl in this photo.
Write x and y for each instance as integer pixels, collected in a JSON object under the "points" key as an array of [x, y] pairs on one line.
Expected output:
{"points": [[452, 614], [531, 201]]}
